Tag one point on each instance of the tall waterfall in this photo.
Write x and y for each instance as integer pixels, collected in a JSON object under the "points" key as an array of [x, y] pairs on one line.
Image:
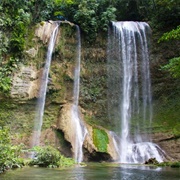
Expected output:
{"points": [[129, 85], [43, 88], [80, 130]]}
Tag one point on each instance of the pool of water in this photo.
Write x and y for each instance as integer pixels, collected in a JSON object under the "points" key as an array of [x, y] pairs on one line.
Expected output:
{"points": [[95, 171]]}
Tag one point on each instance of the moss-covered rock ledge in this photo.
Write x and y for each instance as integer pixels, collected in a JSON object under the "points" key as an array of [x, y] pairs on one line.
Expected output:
{"points": [[98, 144]]}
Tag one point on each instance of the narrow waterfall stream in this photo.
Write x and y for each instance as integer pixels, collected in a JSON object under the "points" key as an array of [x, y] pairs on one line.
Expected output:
{"points": [[78, 127], [129, 95], [43, 88], [80, 130]]}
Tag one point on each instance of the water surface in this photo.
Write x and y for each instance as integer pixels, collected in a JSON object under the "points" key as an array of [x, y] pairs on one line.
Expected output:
{"points": [[95, 172]]}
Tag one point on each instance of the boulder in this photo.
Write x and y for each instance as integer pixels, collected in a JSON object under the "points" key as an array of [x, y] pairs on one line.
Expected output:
{"points": [[93, 141], [25, 84], [32, 52]]}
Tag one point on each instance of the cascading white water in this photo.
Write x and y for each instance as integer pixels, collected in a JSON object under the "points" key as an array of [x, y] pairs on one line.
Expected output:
{"points": [[43, 88], [130, 90], [80, 130]]}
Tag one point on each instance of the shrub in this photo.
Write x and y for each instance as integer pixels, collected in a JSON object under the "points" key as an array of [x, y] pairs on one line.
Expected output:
{"points": [[173, 67], [175, 165], [49, 157], [171, 164], [9, 154], [94, 16]]}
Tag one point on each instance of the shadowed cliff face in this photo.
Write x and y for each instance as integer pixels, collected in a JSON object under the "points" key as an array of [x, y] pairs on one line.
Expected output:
{"points": [[19, 110]]}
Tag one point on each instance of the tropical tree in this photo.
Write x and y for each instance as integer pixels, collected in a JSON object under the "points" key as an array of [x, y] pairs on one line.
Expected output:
{"points": [[166, 14], [174, 64], [41, 10], [65, 9], [14, 22], [93, 17]]}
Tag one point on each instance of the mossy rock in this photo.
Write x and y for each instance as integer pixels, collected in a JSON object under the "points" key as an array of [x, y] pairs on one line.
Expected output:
{"points": [[100, 139]]}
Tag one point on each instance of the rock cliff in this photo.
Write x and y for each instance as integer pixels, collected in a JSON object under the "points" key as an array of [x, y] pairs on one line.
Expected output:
{"points": [[18, 110]]}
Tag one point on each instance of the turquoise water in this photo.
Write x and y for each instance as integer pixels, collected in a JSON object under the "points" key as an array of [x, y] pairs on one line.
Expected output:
{"points": [[94, 172]]}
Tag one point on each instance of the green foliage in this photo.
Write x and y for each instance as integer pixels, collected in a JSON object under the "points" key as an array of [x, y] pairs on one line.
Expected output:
{"points": [[90, 119], [175, 131], [175, 165], [66, 2], [169, 4], [50, 157], [9, 154], [165, 14], [171, 35], [92, 17], [173, 67], [14, 21], [91, 94], [171, 164], [20, 26], [45, 156], [106, 17], [5, 113], [66, 162], [93, 89], [153, 161], [128, 10], [100, 139], [86, 16], [6, 70], [5, 83], [4, 43], [41, 10], [65, 9]]}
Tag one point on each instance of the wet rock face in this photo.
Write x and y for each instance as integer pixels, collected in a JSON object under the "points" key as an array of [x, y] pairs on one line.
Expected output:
{"points": [[94, 153], [65, 124], [45, 30], [25, 83], [169, 143]]}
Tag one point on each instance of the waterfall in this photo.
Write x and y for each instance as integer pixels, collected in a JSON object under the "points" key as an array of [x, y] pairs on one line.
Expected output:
{"points": [[129, 91], [80, 130], [43, 88]]}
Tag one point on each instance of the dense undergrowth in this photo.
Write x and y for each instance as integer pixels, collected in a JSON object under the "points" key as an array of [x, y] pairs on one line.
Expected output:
{"points": [[17, 17], [11, 155], [170, 164], [49, 157]]}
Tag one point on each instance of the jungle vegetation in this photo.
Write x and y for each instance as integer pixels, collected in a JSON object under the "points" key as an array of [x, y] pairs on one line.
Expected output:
{"points": [[93, 16]]}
